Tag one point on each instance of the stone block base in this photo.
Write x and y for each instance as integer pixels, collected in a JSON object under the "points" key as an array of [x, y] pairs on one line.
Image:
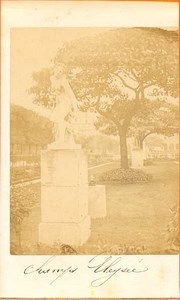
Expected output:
{"points": [[97, 201], [64, 204], [73, 234]]}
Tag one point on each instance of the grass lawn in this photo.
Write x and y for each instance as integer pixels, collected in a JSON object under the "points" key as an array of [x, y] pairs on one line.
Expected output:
{"points": [[137, 214]]}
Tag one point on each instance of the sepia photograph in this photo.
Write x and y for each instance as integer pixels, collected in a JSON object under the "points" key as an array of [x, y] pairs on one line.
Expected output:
{"points": [[94, 145]]}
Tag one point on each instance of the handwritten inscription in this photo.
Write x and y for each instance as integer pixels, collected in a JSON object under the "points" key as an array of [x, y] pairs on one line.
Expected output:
{"points": [[110, 266], [46, 268], [105, 267]]}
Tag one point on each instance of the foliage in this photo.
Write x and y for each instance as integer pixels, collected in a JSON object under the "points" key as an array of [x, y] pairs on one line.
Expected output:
{"points": [[111, 73], [29, 127], [42, 90], [22, 200], [63, 249], [125, 176], [143, 54], [105, 248], [102, 247], [23, 173], [56, 248], [172, 230], [158, 116]]}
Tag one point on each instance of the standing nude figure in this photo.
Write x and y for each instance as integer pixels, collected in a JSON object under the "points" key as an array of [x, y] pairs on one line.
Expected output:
{"points": [[65, 107]]}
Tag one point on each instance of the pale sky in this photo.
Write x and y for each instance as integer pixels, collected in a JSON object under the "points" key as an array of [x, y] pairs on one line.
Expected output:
{"points": [[33, 49]]}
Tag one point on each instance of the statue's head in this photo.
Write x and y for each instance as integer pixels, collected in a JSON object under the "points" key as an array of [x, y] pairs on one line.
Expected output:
{"points": [[59, 69]]}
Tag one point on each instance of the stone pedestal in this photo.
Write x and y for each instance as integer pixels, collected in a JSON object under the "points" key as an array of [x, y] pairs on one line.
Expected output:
{"points": [[137, 158], [64, 197], [97, 201]]}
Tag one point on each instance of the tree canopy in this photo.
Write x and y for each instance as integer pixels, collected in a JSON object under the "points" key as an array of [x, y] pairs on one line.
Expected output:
{"points": [[116, 73], [29, 127]]}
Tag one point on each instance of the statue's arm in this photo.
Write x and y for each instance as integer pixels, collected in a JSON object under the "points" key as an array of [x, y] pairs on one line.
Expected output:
{"points": [[74, 102]]}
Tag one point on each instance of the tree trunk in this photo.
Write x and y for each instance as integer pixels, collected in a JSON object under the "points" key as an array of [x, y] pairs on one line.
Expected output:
{"points": [[141, 144], [123, 150]]}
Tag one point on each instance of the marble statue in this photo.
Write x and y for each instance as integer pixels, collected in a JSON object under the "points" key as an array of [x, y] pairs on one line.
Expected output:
{"points": [[65, 108]]}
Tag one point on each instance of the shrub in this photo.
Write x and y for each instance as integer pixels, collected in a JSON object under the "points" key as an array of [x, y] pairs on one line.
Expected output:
{"points": [[24, 173], [22, 200], [39, 248], [125, 176], [63, 249], [172, 231], [106, 248]]}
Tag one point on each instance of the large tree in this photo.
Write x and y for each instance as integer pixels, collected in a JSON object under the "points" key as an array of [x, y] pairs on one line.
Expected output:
{"points": [[112, 73], [158, 117]]}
